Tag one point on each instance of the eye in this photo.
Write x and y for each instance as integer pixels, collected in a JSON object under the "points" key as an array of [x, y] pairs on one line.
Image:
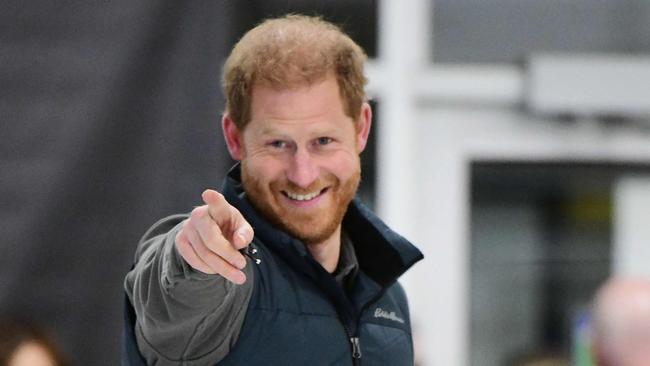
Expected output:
{"points": [[322, 141], [278, 144]]}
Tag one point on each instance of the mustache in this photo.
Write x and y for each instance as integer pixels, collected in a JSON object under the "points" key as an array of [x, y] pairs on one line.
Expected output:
{"points": [[318, 185]]}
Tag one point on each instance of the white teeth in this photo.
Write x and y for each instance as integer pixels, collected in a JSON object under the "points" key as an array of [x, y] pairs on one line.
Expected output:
{"points": [[302, 197]]}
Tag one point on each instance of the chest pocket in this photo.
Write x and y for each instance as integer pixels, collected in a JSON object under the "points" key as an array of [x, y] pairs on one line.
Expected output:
{"points": [[385, 335]]}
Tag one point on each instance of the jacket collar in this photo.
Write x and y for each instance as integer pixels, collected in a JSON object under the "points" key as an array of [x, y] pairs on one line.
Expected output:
{"points": [[383, 254]]}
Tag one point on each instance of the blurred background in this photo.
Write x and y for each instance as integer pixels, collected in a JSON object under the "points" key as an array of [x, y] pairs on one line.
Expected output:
{"points": [[511, 143]]}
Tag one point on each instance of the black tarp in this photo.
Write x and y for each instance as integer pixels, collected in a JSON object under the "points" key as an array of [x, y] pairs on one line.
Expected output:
{"points": [[109, 119]]}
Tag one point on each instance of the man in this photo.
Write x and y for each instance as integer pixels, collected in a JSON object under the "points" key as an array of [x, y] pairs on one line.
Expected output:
{"points": [[621, 319], [284, 266], [23, 343]]}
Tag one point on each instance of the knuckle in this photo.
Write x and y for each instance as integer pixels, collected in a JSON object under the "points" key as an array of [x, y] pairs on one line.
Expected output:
{"points": [[188, 231], [198, 213], [234, 211], [183, 248], [219, 196], [180, 237]]}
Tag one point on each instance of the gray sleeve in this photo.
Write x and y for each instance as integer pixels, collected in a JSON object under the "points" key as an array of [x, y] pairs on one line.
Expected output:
{"points": [[183, 316]]}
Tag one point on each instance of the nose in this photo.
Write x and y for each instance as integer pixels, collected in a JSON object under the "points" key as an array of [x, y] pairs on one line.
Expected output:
{"points": [[303, 170]]}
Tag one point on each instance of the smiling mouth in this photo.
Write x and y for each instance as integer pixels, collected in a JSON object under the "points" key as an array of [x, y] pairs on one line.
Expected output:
{"points": [[304, 197]]}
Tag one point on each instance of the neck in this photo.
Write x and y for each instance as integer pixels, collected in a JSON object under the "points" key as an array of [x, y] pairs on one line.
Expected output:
{"points": [[328, 251]]}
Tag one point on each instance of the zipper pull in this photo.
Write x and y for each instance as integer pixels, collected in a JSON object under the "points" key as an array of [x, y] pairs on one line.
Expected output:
{"points": [[356, 347], [249, 251]]}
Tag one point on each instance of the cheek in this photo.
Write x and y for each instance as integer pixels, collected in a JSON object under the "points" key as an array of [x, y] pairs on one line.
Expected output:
{"points": [[343, 166], [265, 169]]}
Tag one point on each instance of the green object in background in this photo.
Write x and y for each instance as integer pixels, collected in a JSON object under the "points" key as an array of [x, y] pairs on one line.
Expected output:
{"points": [[582, 341]]}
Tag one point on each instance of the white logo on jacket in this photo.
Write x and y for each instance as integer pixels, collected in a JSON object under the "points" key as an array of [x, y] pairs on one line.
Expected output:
{"points": [[381, 313]]}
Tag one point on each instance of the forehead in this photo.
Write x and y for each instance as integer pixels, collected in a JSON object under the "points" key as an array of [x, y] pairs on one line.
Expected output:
{"points": [[319, 101]]}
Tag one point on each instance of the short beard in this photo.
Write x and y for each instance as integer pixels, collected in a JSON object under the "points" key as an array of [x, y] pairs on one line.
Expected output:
{"points": [[303, 227]]}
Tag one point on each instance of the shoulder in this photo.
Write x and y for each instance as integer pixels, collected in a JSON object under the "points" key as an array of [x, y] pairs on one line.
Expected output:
{"points": [[161, 230], [163, 226], [398, 295]]}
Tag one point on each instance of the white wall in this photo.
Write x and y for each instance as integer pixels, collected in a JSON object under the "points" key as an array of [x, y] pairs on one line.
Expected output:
{"points": [[448, 139], [632, 226], [436, 120]]}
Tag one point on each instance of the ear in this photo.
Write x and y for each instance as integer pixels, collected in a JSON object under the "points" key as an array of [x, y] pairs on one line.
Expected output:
{"points": [[233, 136], [363, 126]]}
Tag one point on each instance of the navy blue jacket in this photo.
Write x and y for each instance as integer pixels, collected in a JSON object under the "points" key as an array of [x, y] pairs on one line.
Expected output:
{"points": [[299, 315]]}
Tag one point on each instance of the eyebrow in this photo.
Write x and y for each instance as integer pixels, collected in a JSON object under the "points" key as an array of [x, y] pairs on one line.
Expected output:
{"points": [[269, 130]]}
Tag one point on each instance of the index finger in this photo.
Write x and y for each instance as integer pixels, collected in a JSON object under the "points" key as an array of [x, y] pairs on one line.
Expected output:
{"points": [[231, 222]]}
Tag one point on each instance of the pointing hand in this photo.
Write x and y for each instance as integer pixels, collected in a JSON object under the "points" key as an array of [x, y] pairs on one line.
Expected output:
{"points": [[212, 236]]}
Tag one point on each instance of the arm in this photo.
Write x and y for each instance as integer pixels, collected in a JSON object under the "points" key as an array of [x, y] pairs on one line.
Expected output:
{"points": [[186, 313]]}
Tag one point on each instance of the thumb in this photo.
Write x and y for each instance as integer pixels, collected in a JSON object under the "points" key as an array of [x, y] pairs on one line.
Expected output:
{"points": [[243, 235]]}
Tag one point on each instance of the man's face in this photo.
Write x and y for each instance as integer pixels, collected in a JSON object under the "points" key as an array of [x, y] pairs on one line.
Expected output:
{"points": [[300, 157]]}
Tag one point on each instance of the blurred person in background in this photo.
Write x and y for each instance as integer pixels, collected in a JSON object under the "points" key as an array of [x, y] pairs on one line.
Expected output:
{"points": [[621, 323], [284, 266], [25, 344], [538, 358]]}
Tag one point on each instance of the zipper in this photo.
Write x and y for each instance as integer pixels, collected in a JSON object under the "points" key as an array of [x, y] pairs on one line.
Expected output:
{"points": [[356, 348], [354, 340]]}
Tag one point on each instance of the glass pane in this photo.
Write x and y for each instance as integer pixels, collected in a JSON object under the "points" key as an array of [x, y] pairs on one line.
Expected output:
{"points": [[540, 246], [509, 30]]}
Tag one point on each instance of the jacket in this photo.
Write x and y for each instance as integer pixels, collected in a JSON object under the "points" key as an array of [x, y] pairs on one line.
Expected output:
{"points": [[299, 315]]}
